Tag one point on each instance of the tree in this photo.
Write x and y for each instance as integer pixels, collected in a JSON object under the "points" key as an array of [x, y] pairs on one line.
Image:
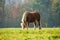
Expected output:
{"points": [[2, 2]]}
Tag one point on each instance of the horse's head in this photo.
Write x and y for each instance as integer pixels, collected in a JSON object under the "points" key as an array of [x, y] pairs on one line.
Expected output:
{"points": [[22, 25]]}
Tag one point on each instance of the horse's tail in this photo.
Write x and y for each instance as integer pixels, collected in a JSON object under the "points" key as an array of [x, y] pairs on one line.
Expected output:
{"points": [[24, 18]]}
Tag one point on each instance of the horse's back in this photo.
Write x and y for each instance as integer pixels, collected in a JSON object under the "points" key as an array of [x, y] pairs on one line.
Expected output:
{"points": [[36, 15]]}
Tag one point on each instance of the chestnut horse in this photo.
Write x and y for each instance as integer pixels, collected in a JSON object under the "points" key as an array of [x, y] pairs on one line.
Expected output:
{"points": [[30, 17]]}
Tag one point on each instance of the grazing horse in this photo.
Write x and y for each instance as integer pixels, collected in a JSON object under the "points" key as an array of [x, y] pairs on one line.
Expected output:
{"points": [[30, 17]]}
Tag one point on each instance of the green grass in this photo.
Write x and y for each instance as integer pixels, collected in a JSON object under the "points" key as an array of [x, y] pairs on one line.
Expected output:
{"points": [[30, 34]]}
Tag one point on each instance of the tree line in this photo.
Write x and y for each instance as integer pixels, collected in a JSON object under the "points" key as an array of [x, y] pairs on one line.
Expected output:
{"points": [[11, 12]]}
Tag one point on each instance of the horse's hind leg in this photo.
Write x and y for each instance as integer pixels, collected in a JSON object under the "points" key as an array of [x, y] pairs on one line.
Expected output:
{"points": [[34, 25], [39, 24]]}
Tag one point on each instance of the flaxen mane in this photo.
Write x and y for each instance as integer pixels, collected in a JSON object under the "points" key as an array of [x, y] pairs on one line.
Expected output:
{"points": [[24, 16]]}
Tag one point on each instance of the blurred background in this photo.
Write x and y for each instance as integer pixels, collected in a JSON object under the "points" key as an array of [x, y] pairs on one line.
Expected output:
{"points": [[11, 12]]}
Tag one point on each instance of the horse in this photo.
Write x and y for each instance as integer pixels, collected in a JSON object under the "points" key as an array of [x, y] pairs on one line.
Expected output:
{"points": [[30, 17]]}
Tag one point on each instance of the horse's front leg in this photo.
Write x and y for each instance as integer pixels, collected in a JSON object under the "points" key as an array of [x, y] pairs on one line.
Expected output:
{"points": [[27, 25], [34, 25]]}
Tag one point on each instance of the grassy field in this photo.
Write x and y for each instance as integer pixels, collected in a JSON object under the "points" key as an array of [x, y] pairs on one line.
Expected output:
{"points": [[30, 34]]}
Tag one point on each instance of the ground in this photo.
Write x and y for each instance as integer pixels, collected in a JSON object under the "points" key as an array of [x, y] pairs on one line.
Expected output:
{"points": [[30, 34]]}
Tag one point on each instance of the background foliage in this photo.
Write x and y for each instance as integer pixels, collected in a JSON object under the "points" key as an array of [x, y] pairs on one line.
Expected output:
{"points": [[11, 12]]}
